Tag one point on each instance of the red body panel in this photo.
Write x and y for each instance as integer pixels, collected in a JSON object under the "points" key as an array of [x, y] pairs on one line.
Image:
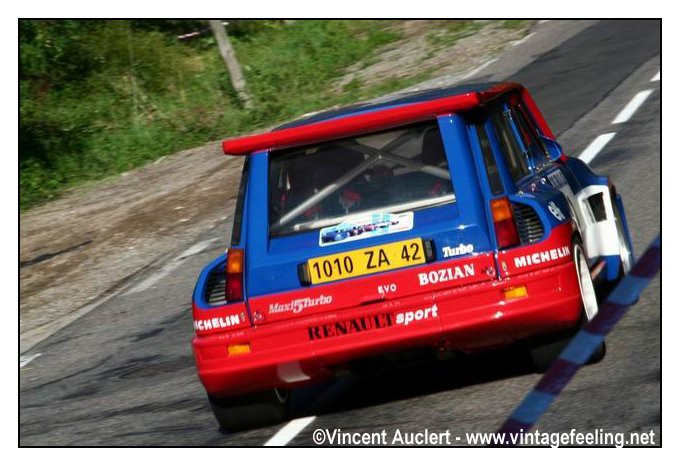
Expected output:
{"points": [[373, 288], [467, 314]]}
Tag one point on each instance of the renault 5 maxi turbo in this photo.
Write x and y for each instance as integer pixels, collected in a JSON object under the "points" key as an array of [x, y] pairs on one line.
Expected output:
{"points": [[447, 219]]}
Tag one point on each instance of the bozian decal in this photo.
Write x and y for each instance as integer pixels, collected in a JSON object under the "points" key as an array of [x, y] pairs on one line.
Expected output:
{"points": [[445, 275]]}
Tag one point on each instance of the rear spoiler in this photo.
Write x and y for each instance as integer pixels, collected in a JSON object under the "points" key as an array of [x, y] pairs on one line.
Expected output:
{"points": [[362, 123]]}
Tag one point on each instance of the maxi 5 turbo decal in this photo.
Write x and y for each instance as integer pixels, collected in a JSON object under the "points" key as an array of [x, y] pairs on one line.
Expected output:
{"points": [[298, 305]]}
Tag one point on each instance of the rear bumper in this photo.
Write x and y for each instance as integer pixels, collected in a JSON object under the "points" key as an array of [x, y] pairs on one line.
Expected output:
{"points": [[303, 350]]}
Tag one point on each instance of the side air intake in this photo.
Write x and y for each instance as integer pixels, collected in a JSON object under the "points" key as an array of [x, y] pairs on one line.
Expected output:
{"points": [[215, 287], [529, 225]]}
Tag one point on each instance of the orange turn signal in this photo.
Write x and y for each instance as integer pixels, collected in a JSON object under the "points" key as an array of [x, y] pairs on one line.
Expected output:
{"points": [[515, 292], [501, 209], [241, 348], [234, 260]]}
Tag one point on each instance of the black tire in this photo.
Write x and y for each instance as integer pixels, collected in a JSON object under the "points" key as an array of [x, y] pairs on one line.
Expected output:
{"points": [[544, 350], [251, 411]]}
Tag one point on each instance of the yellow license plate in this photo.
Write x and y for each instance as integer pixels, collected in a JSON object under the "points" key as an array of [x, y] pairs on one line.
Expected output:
{"points": [[366, 261]]}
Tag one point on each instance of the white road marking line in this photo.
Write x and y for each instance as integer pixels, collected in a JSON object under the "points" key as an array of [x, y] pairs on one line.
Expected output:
{"points": [[289, 431], [657, 77], [168, 268], [523, 39], [476, 70], [25, 360], [632, 106], [595, 147], [198, 247]]}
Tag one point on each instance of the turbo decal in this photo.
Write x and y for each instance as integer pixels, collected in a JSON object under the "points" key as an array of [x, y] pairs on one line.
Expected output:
{"points": [[446, 275], [298, 305], [543, 256], [217, 322], [351, 326], [458, 251]]}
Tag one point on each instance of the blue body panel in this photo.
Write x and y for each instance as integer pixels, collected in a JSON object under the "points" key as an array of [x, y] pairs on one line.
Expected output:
{"points": [[271, 264]]}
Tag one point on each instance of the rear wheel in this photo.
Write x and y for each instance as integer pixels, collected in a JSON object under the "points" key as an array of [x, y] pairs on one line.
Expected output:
{"points": [[251, 411], [624, 249], [545, 351]]}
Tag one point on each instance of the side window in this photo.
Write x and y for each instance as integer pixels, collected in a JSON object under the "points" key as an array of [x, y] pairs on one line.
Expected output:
{"points": [[238, 210], [515, 159], [529, 134], [492, 174]]}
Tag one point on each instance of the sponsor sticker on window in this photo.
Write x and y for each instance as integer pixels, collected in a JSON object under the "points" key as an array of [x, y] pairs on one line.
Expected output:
{"points": [[366, 226]]}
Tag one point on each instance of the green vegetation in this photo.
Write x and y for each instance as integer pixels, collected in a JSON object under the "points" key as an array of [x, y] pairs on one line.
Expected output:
{"points": [[102, 97], [452, 31], [514, 23]]}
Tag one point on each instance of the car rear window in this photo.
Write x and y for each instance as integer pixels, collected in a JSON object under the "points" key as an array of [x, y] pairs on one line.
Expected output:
{"points": [[390, 171]]}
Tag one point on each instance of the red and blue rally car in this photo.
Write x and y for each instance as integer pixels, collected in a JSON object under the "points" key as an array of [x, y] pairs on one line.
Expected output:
{"points": [[448, 219]]}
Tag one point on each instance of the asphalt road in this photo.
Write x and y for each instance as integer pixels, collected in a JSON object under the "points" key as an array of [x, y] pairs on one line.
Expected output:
{"points": [[124, 375]]}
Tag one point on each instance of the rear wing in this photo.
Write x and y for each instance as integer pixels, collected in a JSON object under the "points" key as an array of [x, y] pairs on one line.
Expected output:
{"points": [[364, 122]]}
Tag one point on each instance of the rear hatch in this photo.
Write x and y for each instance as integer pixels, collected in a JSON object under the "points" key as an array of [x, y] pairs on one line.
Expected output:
{"points": [[364, 219]]}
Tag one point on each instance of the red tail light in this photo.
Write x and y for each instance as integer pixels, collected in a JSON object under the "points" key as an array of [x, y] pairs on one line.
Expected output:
{"points": [[234, 270], [504, 223]]}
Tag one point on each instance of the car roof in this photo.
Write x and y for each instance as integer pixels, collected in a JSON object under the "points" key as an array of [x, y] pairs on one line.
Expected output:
{"points": [[363, 118]]}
